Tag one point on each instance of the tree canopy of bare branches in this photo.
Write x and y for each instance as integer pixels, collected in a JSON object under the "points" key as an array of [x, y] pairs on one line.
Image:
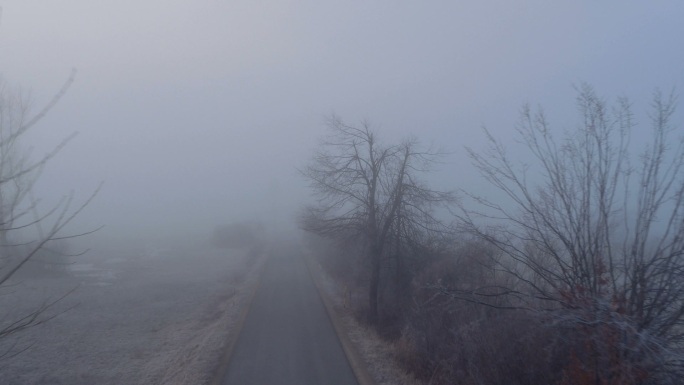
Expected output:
{"points": [[372, 193], [594, 235], [24, 229]]}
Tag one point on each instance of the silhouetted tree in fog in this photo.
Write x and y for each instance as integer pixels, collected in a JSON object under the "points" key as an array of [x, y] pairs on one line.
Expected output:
{"points": [[24, 231], [371, 192], [593, 236]]}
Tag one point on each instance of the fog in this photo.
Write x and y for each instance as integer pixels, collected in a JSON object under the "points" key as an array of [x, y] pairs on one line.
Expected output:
{"points": [[196, 113], [194, 117]]}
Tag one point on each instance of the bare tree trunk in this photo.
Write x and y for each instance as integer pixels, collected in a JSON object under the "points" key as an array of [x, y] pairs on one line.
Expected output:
{"points": [[373, 290]]}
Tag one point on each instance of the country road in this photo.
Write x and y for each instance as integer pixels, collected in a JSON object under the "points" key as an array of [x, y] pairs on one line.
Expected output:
{"points": [[287, 338]]}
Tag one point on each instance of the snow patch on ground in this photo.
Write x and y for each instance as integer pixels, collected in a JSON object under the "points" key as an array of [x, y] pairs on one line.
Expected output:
{"points": [[149, 315]]}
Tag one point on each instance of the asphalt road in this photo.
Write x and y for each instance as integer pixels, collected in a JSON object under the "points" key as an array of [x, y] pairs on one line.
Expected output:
{"points": [[288, 338]]}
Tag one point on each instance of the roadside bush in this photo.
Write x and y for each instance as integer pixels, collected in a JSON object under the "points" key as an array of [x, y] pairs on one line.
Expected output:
{"points": [[458, 332], [450, 340]]}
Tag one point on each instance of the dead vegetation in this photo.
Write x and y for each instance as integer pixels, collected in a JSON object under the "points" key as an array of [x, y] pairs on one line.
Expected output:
{"points": [[148, 312], [574, 277]]}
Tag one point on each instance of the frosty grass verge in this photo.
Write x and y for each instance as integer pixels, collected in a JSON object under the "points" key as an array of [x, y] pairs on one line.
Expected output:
{"points": [[142, 314], [376, 353]]}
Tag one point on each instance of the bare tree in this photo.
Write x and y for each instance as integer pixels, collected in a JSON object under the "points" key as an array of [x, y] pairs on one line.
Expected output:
{"points": [[593, 237], [371, 192], [24, 230]]}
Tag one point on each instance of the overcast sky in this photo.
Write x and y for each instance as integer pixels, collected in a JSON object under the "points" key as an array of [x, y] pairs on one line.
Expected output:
{"points": [[197, 112]]}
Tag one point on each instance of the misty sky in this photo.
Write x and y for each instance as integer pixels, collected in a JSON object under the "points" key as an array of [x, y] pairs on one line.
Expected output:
{"points": [[197, 112]]}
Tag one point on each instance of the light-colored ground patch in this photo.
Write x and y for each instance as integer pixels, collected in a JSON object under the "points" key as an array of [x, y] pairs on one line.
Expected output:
{"points": [[148, 314]]}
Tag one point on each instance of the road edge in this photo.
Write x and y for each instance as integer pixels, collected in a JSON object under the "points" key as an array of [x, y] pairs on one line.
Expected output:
{"points": [[224, 361], [356, 362]]}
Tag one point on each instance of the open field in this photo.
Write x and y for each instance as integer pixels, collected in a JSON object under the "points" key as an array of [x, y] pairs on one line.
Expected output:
{"points": [[141, 312]]}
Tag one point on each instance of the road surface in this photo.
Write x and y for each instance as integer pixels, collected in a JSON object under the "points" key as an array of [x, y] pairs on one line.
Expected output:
{"points": [[288, 338]]}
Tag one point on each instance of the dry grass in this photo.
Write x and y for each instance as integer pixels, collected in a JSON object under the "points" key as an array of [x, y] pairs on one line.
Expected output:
{"points": [[378, 354], [154, 315]]}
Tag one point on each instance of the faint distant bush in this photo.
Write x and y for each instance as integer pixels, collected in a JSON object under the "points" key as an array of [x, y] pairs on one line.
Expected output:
{"points": [[238, 235]]}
